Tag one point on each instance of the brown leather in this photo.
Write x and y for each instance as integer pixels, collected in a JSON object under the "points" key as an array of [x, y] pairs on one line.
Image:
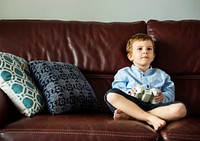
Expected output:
{"points": [[4, 104], [177, 45], [182, 130], [77, 127], [93, 47], [178, 52], [98, 49], [8, 111]]}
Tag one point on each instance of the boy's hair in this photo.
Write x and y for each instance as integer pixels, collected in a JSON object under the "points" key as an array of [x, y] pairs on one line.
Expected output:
{"points": [[138, 37]]}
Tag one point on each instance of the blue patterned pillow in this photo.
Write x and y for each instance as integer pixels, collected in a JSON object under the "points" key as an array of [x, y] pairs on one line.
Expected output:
{"points": [[16, 82], [64, 87]]}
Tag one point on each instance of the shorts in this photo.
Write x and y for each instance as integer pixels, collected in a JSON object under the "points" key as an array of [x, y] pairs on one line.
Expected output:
{"points": [[143, 105]]}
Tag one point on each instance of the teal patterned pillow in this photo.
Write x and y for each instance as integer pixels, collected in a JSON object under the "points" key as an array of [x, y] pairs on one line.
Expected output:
{"points": [[16, 82]]}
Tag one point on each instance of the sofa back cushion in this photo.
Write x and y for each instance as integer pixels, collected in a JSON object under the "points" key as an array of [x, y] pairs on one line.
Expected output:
{"points": [[178, 52], [92, 46], [97, 49]]}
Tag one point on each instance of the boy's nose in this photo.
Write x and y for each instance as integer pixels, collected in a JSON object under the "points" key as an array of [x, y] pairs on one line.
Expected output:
{"points": [[144, 51]]}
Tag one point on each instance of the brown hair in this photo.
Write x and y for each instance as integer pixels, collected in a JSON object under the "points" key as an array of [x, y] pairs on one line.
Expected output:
{"points": [[138, 37]]}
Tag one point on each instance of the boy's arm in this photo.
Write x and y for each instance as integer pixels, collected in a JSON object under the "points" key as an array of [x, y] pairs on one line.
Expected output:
{"points": [[168, 90], [120, 82]]}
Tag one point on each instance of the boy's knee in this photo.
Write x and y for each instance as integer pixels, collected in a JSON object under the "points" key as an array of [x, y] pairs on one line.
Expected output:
{"points": [[111, 97], [183, 110], [179, 110]]}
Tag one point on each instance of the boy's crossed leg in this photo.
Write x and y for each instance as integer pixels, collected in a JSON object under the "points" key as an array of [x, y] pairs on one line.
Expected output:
{"points": [[126, 109]]}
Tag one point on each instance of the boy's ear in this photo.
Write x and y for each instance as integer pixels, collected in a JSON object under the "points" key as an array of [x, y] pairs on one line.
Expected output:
{"points": [[130, 57]]}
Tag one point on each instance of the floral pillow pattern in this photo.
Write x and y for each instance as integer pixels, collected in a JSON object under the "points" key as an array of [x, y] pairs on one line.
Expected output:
{"points": [[64, 87]]}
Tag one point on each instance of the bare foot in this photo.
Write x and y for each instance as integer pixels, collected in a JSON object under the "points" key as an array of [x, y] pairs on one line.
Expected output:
{"points": [[118, 114], [156, 122]]}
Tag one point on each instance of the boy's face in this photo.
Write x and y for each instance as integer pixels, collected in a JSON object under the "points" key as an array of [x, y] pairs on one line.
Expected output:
{"points": [[142, 53]]}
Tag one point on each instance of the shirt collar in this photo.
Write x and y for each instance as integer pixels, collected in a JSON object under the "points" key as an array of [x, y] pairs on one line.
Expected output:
{"points": [[135, 68]]}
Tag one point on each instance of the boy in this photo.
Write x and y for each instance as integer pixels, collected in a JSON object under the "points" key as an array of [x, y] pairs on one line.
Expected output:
{"points": [[141, 51]]}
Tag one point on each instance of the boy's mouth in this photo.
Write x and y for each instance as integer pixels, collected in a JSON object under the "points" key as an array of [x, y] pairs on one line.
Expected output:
{"points": [[145, 57]]}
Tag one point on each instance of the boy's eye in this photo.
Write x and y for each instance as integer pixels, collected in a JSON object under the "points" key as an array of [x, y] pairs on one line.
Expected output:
{"points": [[149, 48], [139, 48]]}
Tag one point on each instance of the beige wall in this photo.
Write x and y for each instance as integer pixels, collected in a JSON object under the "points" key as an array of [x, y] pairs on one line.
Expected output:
{"points": [[100, 10]]}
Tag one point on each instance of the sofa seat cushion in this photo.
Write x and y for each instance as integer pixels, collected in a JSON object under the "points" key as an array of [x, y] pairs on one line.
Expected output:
{"points": [[187, 129], [82, 127]]}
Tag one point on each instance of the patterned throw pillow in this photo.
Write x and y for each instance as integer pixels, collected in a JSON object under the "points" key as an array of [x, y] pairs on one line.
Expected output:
{"points": [[16, 82], [64, 87]]}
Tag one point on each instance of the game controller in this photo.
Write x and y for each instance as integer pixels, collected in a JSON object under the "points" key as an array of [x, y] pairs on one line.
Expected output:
{"points": [[146, 95]]}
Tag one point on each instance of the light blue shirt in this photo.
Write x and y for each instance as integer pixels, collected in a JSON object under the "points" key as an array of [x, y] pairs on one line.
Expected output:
{"points": [[129, 77]]}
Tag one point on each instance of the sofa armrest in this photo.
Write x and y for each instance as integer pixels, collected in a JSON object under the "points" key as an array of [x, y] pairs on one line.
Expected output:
{"points": [[8, 112], [4, 104]]}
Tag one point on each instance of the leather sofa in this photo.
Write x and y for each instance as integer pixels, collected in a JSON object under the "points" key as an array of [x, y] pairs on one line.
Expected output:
{"points": [[98, 50]]}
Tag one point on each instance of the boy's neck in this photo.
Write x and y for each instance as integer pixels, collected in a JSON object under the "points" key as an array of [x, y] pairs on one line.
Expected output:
{"points": [[143, 68]]}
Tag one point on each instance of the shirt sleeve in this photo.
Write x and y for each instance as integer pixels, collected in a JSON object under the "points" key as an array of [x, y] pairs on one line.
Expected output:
{"points": [[168, 89], [120, 81]]}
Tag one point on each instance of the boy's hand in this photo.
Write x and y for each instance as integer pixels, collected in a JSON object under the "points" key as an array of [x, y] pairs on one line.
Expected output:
{"points": [[132, 91], [159, 97]]}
